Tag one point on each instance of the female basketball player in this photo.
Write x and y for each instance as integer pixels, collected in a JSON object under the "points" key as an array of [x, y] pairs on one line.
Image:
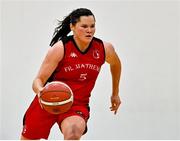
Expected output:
{"points": [[75, 60]]}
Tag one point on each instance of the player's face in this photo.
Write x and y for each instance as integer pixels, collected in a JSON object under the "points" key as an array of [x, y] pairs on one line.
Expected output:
{"points": [[84, 29]]}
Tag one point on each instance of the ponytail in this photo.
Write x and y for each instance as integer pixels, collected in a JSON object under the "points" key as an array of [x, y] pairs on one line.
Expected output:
{"points": [[63, 27], [61, 30]]}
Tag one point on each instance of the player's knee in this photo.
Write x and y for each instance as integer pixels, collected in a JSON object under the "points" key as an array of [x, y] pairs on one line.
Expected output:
{"points": [[73, 134], [23, 138]]}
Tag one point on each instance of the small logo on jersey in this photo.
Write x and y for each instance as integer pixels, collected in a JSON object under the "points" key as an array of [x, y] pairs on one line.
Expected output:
{"points": [[73, 55], [96, 54]]}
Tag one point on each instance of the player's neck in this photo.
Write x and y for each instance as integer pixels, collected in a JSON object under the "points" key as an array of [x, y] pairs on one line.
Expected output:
{"points": [[81, 45]]}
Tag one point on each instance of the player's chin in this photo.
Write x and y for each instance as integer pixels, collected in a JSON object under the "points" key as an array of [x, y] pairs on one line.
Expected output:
{"points": [[88, 39]]}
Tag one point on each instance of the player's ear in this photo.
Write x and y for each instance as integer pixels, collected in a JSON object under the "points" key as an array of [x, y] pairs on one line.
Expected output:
{"points": [[71, 26]]}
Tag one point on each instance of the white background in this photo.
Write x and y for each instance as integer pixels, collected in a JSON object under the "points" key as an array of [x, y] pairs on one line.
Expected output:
{"points": [[145, 35]]}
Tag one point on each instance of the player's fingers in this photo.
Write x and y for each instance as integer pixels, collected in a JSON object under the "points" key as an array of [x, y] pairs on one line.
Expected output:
{"points": [[115, 107]]}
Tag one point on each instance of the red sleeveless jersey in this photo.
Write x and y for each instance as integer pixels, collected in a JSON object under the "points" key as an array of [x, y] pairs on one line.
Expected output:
{"points": [[80, 69]]}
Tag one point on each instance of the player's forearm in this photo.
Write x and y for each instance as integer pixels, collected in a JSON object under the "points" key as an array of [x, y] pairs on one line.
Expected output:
{"points": [[116, 74]]}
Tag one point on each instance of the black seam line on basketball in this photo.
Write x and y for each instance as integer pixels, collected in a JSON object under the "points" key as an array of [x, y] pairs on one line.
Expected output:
{"points": [[55, 91]]}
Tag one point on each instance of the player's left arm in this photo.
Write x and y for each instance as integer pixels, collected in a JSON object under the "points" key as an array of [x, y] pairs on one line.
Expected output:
{"points": [[115, 66]]}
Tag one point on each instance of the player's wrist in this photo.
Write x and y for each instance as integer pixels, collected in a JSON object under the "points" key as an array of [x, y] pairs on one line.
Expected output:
{"points": [[39, 90], [115, 92]]}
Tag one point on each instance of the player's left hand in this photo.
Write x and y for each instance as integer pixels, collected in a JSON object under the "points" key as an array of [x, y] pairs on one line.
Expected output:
{"points": [[115, 103]]}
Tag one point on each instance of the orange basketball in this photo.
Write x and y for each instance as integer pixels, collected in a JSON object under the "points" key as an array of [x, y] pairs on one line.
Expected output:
{"points": [[56, 97]]}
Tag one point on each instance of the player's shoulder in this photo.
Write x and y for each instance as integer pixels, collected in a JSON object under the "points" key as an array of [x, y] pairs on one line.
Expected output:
{"points": [[108, 46], [56, 51], [57, 46]]}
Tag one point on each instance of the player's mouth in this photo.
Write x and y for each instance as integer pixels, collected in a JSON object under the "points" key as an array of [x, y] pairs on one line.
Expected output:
{"points": [[88, 36]]}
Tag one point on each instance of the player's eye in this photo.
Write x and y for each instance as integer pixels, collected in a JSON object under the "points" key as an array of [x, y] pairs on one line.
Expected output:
{"points": [[84, 26]]}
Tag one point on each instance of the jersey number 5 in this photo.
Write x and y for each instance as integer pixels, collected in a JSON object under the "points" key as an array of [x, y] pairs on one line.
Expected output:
{"points": [[83, 76]]}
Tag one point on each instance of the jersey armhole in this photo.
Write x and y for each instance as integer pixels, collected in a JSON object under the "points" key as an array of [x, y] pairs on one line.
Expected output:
{"points": [[64, 51], [104, 52]]}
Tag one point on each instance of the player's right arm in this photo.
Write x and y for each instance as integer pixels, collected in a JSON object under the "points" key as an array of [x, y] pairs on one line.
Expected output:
{"points": [[53, 57]]}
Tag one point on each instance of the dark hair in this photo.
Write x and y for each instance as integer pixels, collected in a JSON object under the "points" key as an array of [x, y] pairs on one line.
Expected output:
{"points": [[63, 27]]}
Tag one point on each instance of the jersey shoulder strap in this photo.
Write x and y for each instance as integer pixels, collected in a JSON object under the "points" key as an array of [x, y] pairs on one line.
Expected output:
{"points": [[66, 39]]}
